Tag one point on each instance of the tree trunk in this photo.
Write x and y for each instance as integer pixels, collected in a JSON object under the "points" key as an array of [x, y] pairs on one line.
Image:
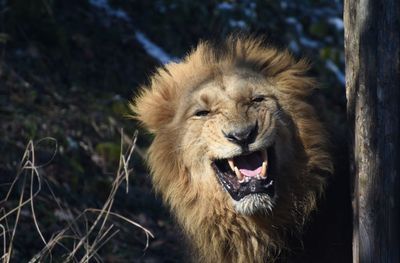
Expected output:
{"points": [[372, 48]]}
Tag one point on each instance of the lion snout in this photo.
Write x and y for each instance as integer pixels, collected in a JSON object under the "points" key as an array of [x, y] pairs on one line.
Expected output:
{"points": [[242, 135]]}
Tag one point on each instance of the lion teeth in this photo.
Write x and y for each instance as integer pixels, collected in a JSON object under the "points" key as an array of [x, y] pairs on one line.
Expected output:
{"points": [[231, 164], [263, 173], [264, 155], [239, 175]]}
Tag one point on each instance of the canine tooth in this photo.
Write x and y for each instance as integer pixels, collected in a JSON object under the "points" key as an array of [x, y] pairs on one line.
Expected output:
{"points": [[231, 164], [246, 179], [263, 173], [264, 155], [239, 175]]}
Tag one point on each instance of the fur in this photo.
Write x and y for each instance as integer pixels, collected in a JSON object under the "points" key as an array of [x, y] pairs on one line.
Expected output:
{"points": [[223, 230]]}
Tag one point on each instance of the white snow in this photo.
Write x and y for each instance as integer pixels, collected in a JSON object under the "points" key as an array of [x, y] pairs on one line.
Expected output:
{"points": [[293, 46], [339, 75], [237, 23], [337, 22], [151, 48], [250, 10], [294, 22], [284, 4], [307, 42], [117, 13], [225, 6]]}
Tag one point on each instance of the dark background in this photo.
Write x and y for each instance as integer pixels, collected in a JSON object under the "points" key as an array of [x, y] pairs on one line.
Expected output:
{"points": [[68, 69]]}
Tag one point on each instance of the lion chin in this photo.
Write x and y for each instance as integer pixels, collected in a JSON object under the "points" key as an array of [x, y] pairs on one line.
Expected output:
{"points": [[238, 154], [254, 204]]}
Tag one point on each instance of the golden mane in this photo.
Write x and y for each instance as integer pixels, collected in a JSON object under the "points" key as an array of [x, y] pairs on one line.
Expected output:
{"points": [[219, 234], [157, 99]]}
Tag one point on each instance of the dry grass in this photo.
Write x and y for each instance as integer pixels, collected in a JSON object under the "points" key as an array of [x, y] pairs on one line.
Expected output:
{"points": [[83, 235]]}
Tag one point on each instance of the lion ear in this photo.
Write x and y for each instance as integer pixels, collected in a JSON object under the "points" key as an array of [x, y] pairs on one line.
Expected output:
{"points": [[154, 107]]}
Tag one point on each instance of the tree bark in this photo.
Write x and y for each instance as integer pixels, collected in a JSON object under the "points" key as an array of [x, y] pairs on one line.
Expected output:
{"points": [[372, 50]]}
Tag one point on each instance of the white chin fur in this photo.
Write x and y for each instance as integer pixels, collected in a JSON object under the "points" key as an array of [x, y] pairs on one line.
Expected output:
{"points": [[254, 204]]}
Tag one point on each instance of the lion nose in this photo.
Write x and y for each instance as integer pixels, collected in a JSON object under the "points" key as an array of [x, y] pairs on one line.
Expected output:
{"points": [[242, 136]]}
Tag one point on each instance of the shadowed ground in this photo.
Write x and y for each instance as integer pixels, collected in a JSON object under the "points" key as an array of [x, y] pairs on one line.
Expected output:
{"points": [[68, 70]]}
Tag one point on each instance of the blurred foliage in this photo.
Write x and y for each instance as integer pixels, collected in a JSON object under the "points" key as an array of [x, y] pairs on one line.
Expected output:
{"points": [[68, 70]]}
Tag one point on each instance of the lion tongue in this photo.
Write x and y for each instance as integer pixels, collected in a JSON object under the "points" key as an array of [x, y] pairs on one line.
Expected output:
{"points": [[249, 165]]}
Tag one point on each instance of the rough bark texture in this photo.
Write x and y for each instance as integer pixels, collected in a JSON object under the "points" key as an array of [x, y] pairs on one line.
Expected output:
{"points": [[372, 43]]}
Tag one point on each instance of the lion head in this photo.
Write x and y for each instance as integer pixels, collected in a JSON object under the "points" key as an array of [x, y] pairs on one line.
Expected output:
{"points": [[236, 144]]}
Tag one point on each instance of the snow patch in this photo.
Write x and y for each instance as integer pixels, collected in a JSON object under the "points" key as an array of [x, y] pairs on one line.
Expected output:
{"points": [[294, 22], [335, 69], [225, 6], [117, 13], [337, 22], [307, 42], [250, 11], [237, 23], [152, 49], [293, 46]]}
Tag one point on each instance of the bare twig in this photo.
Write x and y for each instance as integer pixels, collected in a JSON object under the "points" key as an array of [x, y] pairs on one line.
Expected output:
{"points": [[85, 246]]}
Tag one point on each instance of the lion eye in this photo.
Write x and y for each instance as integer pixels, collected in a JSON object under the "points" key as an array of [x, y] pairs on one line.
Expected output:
{"points": [[258, 99], [201, 113]]}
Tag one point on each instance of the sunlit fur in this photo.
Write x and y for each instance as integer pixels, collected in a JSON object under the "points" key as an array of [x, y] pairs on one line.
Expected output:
{"points": [[223, 79], [255, 204]]}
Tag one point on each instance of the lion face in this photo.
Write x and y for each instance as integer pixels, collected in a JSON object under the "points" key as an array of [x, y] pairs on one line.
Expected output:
{"points": [[234, 128], [233, 132]]}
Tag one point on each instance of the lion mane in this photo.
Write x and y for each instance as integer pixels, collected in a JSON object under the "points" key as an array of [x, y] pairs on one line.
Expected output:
{"points": [[224, 226]]}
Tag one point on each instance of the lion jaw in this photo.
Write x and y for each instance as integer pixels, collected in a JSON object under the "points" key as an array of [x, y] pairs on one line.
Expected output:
{"points": [[255, 204]]}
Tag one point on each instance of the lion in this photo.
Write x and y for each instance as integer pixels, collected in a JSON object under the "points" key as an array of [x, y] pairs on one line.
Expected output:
{"points": [[238, 155]]}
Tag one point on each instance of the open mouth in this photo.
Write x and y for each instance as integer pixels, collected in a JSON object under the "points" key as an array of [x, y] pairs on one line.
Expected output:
{"points": [[246, 174]]}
